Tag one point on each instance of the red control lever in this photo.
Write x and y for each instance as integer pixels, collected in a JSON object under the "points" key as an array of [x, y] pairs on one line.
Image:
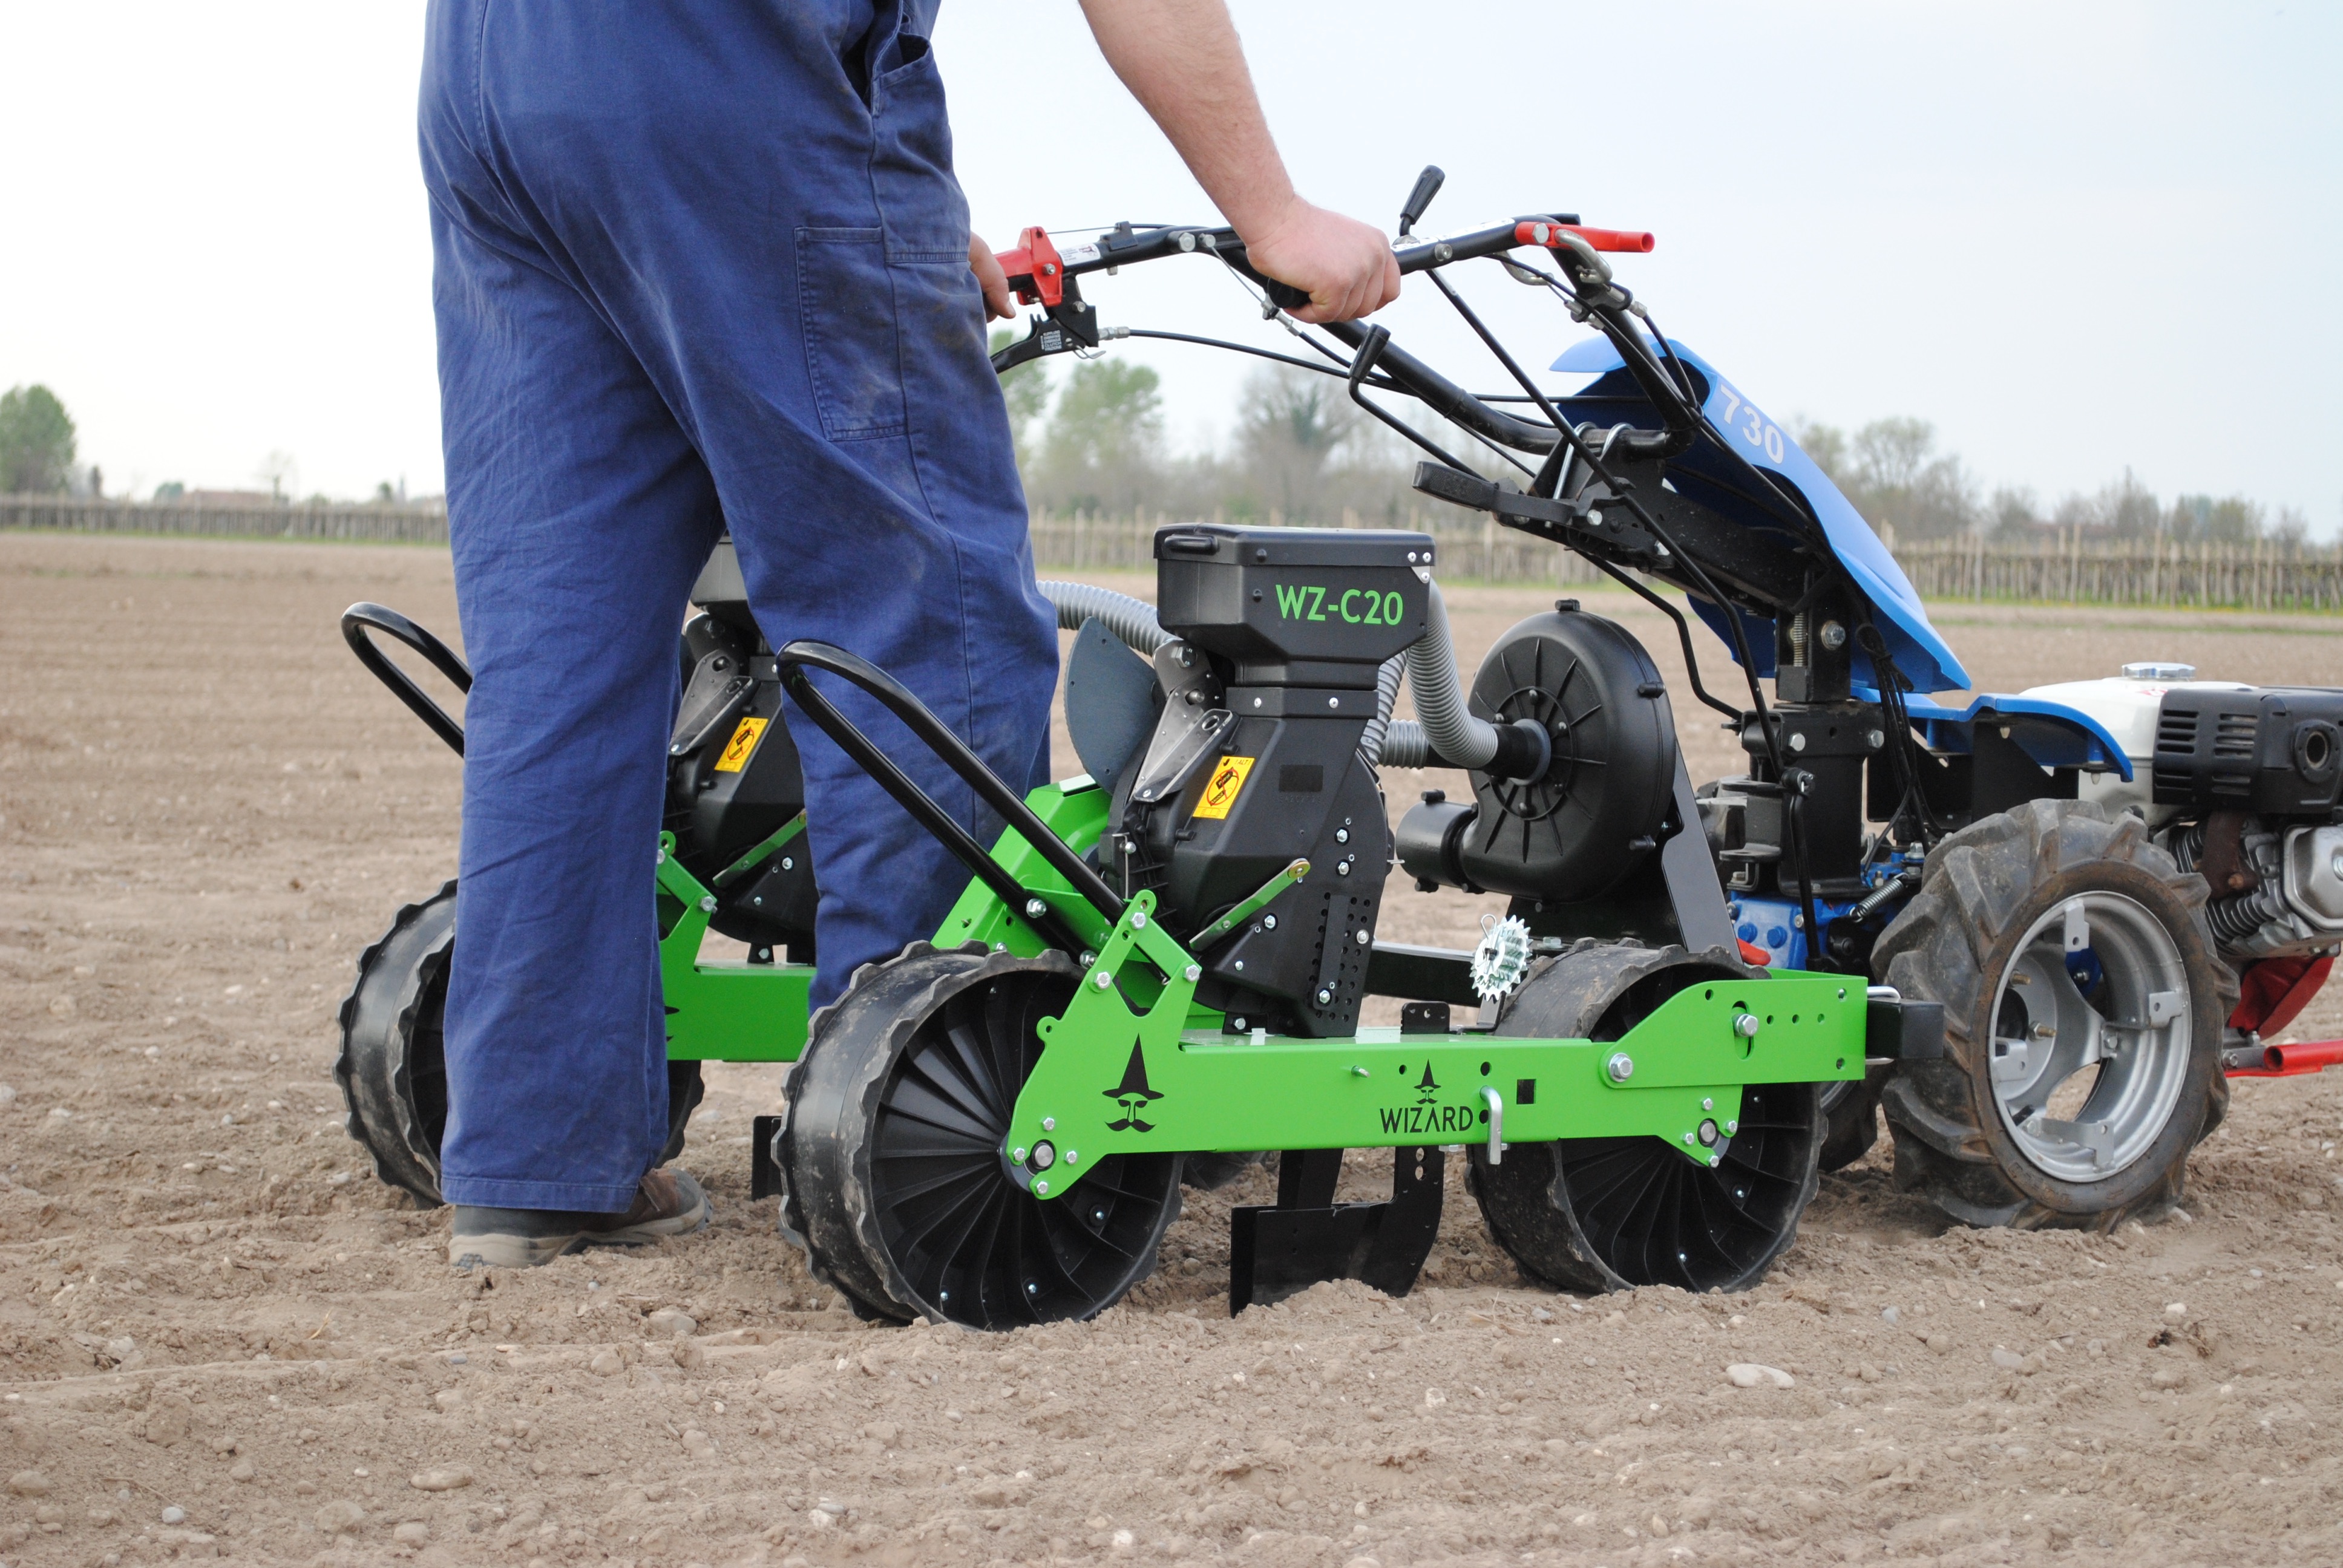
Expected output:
{"points": [[1036, 270], [1600, 238]]}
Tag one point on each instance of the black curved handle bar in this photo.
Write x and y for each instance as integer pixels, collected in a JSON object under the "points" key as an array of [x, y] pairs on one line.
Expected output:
{"points": [[365, 616], [899, 699], [1438, 393]]}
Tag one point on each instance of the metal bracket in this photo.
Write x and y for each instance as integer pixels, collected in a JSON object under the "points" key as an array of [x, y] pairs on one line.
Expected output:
{"points": [[1282, 1251]]}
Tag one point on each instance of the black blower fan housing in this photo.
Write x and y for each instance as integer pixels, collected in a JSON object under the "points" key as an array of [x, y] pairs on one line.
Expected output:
{"points": [[1577, 830]]}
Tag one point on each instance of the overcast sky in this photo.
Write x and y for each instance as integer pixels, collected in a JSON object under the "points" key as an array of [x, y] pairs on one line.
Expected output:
{"points": [[2076, 236]]}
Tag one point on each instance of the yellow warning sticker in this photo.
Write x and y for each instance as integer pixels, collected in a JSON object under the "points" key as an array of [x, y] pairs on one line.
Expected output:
{"points": [[743, 743], [1220, 791]]}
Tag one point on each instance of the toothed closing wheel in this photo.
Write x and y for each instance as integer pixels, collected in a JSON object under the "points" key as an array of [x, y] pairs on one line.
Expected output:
{"points": [[1503, 957]]}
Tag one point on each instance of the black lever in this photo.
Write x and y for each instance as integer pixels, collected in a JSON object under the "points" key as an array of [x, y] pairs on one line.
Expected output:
{"points": [[1427, 185]]}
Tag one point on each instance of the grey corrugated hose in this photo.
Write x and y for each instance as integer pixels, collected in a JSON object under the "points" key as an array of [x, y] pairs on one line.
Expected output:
{"points": [[1444, 727], [1131, 619]]}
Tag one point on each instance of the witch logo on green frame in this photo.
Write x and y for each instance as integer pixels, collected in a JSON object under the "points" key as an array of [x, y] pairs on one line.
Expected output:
{"points": [[1133, 1094]]}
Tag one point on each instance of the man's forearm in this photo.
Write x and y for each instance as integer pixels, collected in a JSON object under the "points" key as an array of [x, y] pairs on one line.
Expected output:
{"points": [[1182, 61]]}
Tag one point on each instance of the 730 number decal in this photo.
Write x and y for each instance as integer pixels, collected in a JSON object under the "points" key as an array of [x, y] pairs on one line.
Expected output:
{"points": [[1742, 418]]}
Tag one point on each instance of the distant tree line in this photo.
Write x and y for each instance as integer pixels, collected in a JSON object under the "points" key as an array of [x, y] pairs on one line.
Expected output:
{"points": [[1893, 472], [1095, 439]]}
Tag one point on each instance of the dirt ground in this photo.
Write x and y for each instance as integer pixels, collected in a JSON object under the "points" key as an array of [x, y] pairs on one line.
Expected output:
{"points": [[219, 1336]]}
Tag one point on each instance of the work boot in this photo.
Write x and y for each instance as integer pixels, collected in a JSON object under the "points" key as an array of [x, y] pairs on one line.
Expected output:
{"points": [[667, 1204]]}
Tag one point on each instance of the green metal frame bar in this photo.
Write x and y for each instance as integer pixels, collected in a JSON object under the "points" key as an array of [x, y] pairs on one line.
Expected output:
{"points": [[1119, 1077], [783, 834], [721, 1011]]}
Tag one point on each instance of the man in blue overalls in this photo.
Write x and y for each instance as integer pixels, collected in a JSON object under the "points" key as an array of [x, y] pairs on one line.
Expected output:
{"points": [[706, 264]]}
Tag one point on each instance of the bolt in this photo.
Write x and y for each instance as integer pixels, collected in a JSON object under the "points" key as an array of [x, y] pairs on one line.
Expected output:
{"points": [[1324, 996], [1269, 922], [1341, 868], [1688, 1137], [708, 903], [1139, 919], [759, 900], [1714, 1160], [1875, 739], [1745, 1025], [1105, 978], [1334, 702], [1017, 1155], [1708, 1104], [1041, 1187], [1045, 1154], [1048, 1124], [1194, 972], [1341, 835], [1364, 937], [1358, 1073], [1730, 1128], [1621, 1067], [1833, 635], [1240, 1024], [1797, 742], [1239, 966], [1072, 1156], [1035, 909]]}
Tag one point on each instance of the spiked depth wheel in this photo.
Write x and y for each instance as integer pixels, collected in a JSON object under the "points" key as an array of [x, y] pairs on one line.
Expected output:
{"points": [[893, 1153], [1605, 1213], [393, 1066]]}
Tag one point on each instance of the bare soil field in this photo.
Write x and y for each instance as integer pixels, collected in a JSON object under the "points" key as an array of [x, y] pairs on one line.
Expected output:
{"points": [[220, 1337]]}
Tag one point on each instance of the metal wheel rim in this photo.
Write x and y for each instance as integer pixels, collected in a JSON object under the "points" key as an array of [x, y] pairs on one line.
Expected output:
{"points": [[2046, 1030], [971, 1245]]}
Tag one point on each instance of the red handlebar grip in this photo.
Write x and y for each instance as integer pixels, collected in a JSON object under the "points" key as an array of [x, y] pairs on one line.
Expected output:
{"points": [[1600, 238]]}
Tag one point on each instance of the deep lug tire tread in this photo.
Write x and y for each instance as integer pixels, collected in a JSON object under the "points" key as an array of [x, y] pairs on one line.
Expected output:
{"points": [[378, 1021], [399, 989], [1982, 887]]}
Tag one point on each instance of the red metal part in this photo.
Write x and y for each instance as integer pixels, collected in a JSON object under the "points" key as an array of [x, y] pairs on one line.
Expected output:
{"points": [[2294, 1060], [2272, 991], [1035, 269], [1600, 238]]}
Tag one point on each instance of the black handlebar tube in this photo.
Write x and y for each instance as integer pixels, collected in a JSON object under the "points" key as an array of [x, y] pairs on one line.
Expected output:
{"points": [[938, 737], [366, 616]]}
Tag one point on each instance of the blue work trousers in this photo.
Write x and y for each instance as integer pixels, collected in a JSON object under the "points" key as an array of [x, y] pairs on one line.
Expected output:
{"points": [[696, 266]]}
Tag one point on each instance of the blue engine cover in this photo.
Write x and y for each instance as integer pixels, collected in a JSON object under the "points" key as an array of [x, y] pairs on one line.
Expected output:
{"points": [[1919, 653]]}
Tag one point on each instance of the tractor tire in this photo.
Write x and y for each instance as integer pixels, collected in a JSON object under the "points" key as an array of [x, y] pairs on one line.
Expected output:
{"points": [[392, 1067], [2074, 965]]}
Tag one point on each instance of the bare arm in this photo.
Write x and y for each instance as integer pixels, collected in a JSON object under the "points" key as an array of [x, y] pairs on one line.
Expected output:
{"points": [[1182, 61]]}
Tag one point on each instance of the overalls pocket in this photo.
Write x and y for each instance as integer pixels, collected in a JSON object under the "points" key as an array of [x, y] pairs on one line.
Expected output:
{"points": [[854, 353]]}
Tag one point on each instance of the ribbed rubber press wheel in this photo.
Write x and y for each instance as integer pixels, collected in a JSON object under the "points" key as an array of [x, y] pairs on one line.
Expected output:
{"points": [[891, 1153], [393, 1067], [1605, 1213]]}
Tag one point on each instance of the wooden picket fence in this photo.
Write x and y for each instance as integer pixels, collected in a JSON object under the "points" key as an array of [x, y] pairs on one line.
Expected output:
{"points": [[2261, 575], [293, 520]]}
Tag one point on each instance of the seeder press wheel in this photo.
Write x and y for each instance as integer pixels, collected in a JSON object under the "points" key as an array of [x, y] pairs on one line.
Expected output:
{"points": [[1606, 1213], [392, 1067], [891, 1154]]}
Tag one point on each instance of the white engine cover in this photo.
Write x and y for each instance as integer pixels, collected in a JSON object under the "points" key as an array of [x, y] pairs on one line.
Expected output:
{"points": [[2127, 707]]}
